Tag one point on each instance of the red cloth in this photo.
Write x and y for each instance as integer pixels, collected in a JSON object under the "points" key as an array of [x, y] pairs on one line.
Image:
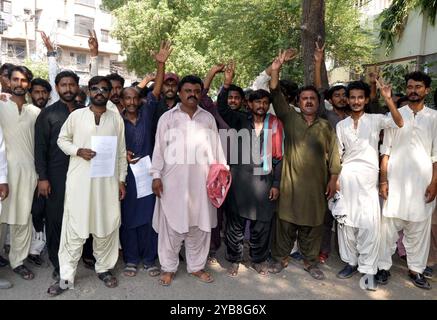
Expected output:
{"points": [[218, 183], [277, 137]]}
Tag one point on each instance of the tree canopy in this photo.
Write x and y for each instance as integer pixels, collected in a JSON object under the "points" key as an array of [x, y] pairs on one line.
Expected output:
{"points": [[206, 32]]}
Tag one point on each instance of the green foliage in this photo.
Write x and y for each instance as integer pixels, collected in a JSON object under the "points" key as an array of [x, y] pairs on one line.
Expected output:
{"points": [[206, 32], [39, 69], [394, 74]]}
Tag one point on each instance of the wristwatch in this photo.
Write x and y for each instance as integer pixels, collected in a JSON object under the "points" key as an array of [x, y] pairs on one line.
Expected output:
{"points": [[52, 54]]}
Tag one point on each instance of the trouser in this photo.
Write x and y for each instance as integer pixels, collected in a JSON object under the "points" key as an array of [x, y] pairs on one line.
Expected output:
{"points": [[20, 238], [196, 244], [308, 239], [38, 242], [259, 243], [105, 251], [417, 236], [325, 246], [359, 246], [216, 240], [139, 244]]}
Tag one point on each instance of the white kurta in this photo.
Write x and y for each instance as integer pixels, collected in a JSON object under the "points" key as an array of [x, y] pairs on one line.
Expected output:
{"points": [[412, 151], [18, 130], [92, 204], [360, 166], [185, 202]]}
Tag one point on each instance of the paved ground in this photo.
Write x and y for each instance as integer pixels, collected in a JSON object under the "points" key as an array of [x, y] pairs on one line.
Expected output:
{"points": [[292, 283]]}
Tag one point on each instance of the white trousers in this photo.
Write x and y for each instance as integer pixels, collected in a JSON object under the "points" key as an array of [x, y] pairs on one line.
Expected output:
{"points": [[20, 239], [359, 246], [38, 242], [417, 238], [170, 242], [105, 251]]}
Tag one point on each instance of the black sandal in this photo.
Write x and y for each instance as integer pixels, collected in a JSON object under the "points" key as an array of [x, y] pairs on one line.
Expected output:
{"points": [[25, 273], [108, 279], [55, 289]]}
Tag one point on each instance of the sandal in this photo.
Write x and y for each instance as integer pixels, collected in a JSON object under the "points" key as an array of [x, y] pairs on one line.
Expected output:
{"points": [[202, 276], [212, 260], [262, 268], [55, 289], [89, 263], [315, 272], [25, 273], [108, 279], [152, 270], [166, 278], [130, 270], [233, 269], [276, 267]]}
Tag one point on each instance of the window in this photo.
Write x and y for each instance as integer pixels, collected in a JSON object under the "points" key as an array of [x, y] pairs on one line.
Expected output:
{"points": [[16, 51], [81, 59], [5, 6], [91, 3], [82, 25], [62, 24], [105, 35]]}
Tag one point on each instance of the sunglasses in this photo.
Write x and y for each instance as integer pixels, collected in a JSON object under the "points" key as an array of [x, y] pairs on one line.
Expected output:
{"points": [[96, 89]]}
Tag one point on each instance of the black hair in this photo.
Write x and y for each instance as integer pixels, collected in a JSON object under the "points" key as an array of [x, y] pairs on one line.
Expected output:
{"points": [[190, 79], [238, 89], [259, 94], [420, 77], [127, 88], [115, 77], [358, 85], [6, 66], [289, 89], [97, 79], [333, 89], [22, 69], [66, 74], [42, 83], [309, 88], [247, 93], [82, 95]]}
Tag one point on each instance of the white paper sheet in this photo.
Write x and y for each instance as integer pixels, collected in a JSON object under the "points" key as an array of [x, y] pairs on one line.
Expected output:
{"points": [[143, 179], [103, 164]]}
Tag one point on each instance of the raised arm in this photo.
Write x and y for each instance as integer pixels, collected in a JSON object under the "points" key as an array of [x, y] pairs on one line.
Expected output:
{"points": [[319, 54], [211, 75], [386, 93], [93, 44], [52, 64], [161, 58]]}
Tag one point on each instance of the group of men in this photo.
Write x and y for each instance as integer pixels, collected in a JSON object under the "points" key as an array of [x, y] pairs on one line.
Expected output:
{"points": [[131, 166]]}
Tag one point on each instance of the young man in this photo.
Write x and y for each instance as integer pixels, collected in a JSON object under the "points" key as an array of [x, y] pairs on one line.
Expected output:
{"points": [[17, 120], [410, 184], [310, 159], [138, 239], [255, 187], [5, 69], [40, 92], [92, 191], [358, 138], [117, 83], [187, 142]]}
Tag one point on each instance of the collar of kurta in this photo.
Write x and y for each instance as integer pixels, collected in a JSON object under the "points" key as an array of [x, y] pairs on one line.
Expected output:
{"points": [[423, 111], [177, 108]]}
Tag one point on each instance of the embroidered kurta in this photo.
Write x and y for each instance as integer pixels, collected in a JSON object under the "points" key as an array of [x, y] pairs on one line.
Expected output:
{"points": [[184, 149], [19, 130], [92, 204], [360, 166], [412, 151]]}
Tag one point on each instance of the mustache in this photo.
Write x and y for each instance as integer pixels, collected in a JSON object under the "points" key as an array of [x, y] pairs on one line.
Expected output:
{"points": [[192, 97]]}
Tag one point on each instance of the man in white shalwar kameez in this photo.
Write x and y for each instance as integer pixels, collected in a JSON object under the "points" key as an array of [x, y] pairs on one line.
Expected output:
{"points": [[92, 205], [411, 183], [187, 142], [358, 137], [17, 120]]}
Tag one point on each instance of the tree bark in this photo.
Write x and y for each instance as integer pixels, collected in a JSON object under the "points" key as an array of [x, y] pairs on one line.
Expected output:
{"points": [[313, 29]]}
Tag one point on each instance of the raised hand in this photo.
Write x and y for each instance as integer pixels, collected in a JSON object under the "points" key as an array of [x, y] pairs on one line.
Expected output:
{"points": [[385, 89], [93, 44], [279, 60], [229, 73], [290, 54], [319, 53], [164, 52], [47, 42], [218, 68]]}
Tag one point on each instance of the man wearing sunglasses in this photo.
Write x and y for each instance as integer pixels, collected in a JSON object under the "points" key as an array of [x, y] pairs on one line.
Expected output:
{"points": [[92, 204]]}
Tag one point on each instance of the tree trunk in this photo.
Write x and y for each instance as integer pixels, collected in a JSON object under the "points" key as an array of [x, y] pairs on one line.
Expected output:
{"points": [[313, 28]]}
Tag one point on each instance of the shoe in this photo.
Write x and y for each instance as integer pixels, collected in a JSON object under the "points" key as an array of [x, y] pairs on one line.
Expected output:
{"points": [[3, 262], [428, 273], [89, 263], [419, 280], [5, 284], [35, 259], [347, 272], [296, 256], [315, 272], [382, 276]]}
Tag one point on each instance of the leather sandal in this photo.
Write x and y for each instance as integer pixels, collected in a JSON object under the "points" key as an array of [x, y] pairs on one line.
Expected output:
{"points": [[202, 276], [55, 289], [108, 279], [25, 273], [166, 278]]}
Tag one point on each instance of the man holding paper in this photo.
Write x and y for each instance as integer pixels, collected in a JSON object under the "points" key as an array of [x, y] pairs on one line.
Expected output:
{"points": [[94, 140], [138, 239]]}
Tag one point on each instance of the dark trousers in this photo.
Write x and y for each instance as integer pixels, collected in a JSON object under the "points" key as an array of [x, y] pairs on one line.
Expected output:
{"points": [[216, 240], [308, 240], [259, 242], [139, 244]]}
